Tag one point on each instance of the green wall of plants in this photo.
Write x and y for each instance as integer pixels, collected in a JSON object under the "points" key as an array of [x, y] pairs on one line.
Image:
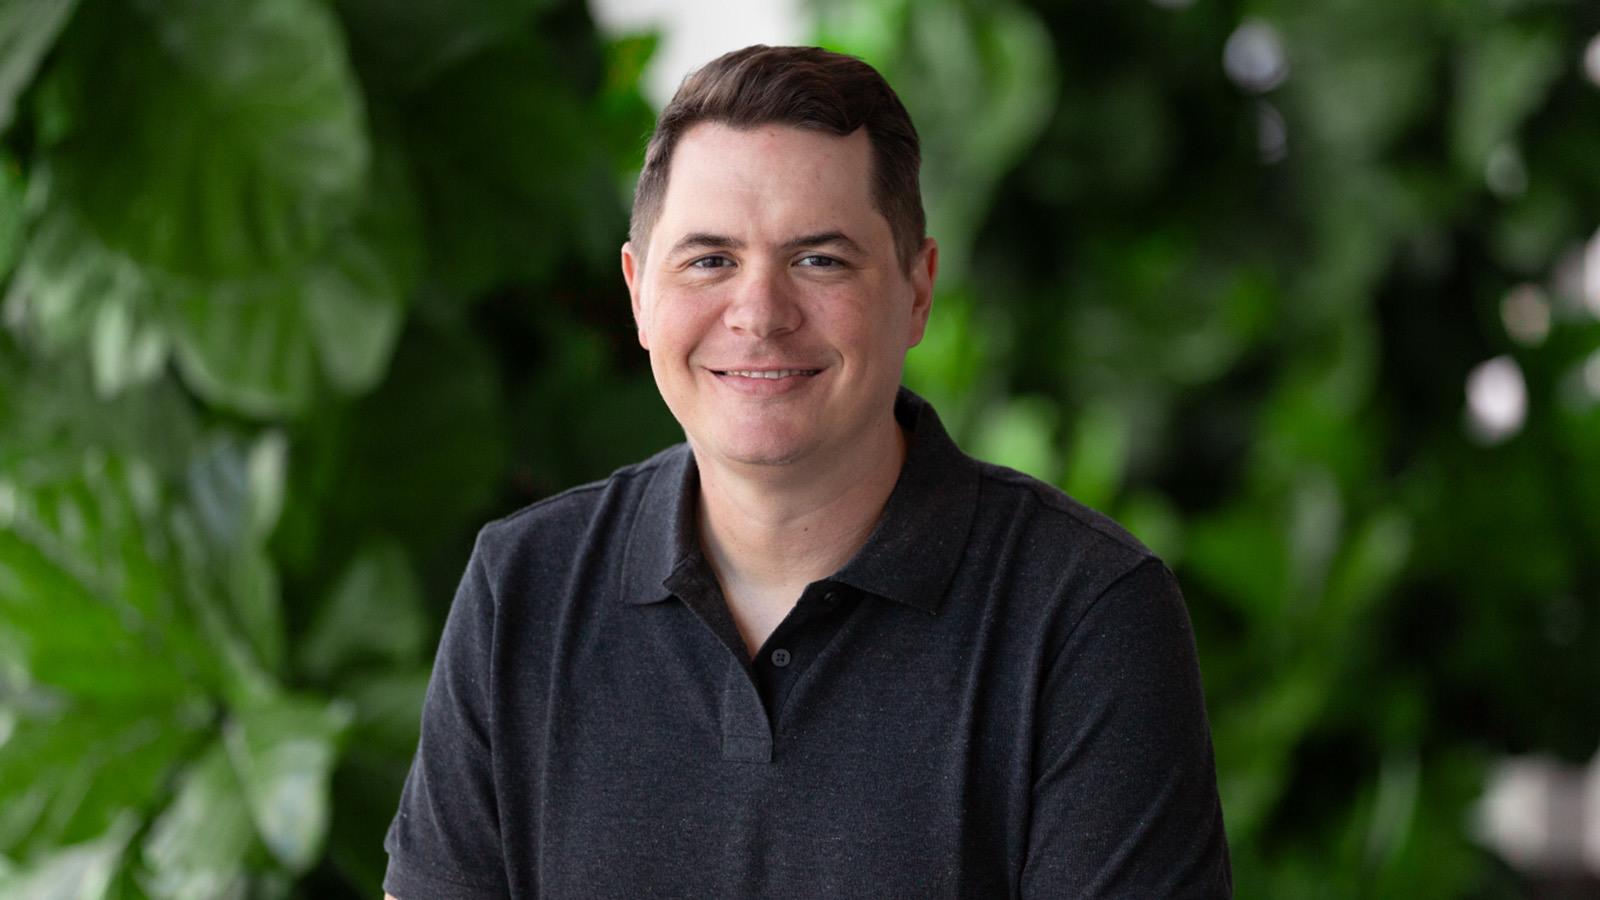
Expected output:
{"points": [[294, 295]]}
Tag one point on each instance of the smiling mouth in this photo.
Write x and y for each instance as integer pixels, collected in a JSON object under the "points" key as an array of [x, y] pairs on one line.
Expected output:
{"points": [[773, 374]]}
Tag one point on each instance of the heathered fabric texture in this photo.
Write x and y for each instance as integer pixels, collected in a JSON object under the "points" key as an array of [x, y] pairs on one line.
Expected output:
{"points": [[997, 696]]}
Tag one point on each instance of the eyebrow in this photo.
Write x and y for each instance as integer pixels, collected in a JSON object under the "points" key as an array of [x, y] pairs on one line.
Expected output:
{"points": [[824, 238], [705, 240]]}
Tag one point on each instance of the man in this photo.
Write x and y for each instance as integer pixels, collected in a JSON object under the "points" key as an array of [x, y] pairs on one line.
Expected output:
{"points": [[816, 651]]}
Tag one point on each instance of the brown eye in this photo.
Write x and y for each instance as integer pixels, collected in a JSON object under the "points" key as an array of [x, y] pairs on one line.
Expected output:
{"points": [[817, 261]]}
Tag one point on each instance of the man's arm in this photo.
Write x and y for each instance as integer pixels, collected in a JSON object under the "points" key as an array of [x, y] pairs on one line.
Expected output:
{"points": [[1124, 785], [444, 841]]}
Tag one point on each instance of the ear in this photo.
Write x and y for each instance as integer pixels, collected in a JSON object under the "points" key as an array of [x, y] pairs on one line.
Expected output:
{"points": [[633, 274], [924, 268]]}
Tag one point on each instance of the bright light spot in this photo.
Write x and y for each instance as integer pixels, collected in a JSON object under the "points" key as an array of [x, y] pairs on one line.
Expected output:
{"points": [[1591, 60], [1590, 290], [1497, 400], [1591, 375], [1522, 809], [1505, 172], [694, 32], [1526, 314], [1254, 58], [1591, 807], [1272, 133]]}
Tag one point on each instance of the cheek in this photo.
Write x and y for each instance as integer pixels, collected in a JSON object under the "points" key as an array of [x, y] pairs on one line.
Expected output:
{"points": [[672, 323]]}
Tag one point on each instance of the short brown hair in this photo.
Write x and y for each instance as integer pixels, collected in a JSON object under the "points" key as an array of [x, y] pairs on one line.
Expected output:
{"points": [[806, 87]]}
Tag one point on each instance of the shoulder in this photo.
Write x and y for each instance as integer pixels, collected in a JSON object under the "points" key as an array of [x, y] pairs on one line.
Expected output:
{"points": [[1051, 511], [1048, 561], [575, 517]]}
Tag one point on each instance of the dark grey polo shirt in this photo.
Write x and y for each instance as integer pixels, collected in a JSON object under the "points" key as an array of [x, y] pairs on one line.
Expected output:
{"points": [[998, 695]]}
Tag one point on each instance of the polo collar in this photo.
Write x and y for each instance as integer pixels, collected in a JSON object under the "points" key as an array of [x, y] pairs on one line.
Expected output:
{"points": [[910, 556]]}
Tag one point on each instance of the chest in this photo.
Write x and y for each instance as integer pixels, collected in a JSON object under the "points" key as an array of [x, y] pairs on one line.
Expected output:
{"points": [[879, 759]]}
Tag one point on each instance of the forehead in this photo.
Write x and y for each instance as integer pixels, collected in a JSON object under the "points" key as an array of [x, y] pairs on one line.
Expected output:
{"points": [[773, 178]]}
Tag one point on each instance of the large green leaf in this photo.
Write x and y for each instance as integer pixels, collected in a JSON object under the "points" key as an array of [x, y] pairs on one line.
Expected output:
{"points": [[196, 849], [87, 606], [107, 676], [388, 712], [284, 750], [224, 207], [1504, 75], [236, 493], [404, 45], [371, 773], [50, 413], [356, 295], [71, 290], [256, 345], [374, 616], [67, 776], [78, 872], [28, 28], [244, 346], [233, 145], [128, 610]]}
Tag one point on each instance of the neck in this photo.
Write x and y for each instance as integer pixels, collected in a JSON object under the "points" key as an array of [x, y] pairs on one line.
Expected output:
{"points": [[772, 530]]}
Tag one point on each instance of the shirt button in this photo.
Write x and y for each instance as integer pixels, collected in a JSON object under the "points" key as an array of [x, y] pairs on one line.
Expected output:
{"points": [[831, 597], [780, 657]]}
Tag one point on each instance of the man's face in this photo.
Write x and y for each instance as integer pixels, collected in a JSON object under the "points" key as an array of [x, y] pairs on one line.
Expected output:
{"points": [[776, 313]]}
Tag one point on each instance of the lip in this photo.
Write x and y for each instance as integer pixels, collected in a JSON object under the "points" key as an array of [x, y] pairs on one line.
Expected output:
{"points": [[762, 383]]}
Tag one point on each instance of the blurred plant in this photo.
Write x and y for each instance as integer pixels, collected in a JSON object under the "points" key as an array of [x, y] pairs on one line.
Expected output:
{"points": [[256, 256], [1231, 290], [298, 294]]}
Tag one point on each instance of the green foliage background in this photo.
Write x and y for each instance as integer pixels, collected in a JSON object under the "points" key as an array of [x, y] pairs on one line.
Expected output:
{"points": [[297, 294]]}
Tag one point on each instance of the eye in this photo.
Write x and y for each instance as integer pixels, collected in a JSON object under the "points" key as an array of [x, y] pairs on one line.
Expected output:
{"points": [[711, 262], [817, 261]]}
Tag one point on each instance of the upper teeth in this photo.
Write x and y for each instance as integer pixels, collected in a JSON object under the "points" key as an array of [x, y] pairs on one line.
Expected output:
{"points": [[768, 373]]}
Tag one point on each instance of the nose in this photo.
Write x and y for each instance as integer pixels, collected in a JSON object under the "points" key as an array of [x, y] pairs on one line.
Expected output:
{"points": [[763, 304]]}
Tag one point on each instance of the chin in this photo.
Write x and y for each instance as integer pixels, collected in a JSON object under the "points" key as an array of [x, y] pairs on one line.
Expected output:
{"points": [[761, 456], [764, 460], [772, 450]]}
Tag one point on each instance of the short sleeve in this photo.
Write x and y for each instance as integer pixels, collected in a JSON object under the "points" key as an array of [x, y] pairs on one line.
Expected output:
{"points": [[444, 841], [1124, 784]]}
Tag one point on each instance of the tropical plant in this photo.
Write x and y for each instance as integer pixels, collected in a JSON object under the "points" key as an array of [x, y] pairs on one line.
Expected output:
{"points": [[253, 409], [297, 294]]}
